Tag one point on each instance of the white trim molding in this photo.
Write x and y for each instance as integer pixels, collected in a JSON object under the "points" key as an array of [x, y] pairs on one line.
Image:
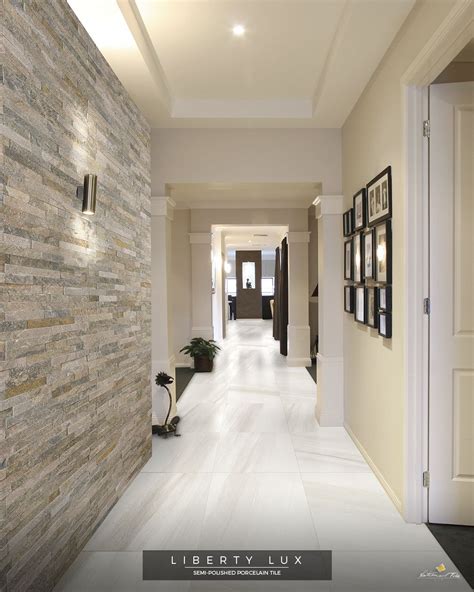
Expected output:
{"points": [[137, 27], [328, 205], [330, 401], [298, 345], [448, 40], [162, 206], [298, 237], [391, 494]]}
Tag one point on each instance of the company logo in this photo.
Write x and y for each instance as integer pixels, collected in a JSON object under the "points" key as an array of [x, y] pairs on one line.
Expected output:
{"points": [[440, 572]]}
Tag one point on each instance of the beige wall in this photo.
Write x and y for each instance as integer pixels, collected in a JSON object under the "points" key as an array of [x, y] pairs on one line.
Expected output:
{"points": [[294, 218], [372, 138], [247, 156]]}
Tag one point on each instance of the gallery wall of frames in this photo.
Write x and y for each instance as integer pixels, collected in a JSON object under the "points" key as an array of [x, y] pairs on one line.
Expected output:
{"points": [[367, 228]]}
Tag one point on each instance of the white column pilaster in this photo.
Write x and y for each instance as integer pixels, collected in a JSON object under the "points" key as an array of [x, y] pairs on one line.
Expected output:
{"points": [[201, 282], [299, 346], [162, 348], [330, 399]]}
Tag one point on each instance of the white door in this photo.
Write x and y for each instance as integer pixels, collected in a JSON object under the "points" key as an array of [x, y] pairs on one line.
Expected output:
{"points": [[451, 400]]}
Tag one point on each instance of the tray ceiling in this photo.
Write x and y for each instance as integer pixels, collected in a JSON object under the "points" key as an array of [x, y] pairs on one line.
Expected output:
{"points": [[299, 63]]}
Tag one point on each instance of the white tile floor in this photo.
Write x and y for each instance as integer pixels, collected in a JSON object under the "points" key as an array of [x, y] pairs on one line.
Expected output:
{"points": [[253, 470]]}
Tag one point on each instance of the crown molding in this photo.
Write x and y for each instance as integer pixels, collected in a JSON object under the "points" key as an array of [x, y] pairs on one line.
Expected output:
{"points": [[162, 206], [335, 42], [329, 205], [298, 237], [137, 27], [454, 33]]}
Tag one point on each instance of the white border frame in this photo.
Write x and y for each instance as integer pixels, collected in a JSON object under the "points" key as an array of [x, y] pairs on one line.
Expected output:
{"points": [[450, 38]]}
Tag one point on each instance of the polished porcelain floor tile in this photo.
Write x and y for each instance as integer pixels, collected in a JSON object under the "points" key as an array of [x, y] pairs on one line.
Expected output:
{"points": [[193, 452], [351, 512], [158, 511], [203, 417], [254, 417], [253, 469], [112, 572], [395, 571], [328, 450], [299, 412], [244, 452], [257, 511]]}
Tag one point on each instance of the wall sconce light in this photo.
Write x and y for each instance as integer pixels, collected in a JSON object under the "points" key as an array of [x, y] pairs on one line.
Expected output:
{"points": [[88, 193], [227, 267]]}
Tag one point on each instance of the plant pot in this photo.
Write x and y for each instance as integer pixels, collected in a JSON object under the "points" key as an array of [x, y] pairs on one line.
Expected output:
{"points": [[203, 364]]}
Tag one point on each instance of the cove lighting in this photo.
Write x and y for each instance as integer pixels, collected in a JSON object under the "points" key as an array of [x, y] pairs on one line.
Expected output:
{"points": [[238, 30]]}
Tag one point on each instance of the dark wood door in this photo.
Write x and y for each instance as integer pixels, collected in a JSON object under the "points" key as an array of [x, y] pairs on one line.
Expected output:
{"points": [[249, 284]]}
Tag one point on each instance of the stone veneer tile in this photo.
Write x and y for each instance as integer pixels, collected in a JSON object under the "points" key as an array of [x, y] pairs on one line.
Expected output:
{"points": [[75, 402]]}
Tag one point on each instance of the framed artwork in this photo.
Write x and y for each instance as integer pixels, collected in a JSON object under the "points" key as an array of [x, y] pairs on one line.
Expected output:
{"points": [[372, 307], [385, 324], [348, 222], [360, 305], [385, 299], [383, 252], [348, 260], [349, 298], [368, 249], [358, 257], [360, 212], [379, 197]]}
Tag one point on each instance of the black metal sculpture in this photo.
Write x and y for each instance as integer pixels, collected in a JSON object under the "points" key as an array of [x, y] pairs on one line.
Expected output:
{"points": [[163, 379]]}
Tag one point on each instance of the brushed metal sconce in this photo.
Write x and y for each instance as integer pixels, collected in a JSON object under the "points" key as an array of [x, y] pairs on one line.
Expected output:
{"points": [[88, 193]]}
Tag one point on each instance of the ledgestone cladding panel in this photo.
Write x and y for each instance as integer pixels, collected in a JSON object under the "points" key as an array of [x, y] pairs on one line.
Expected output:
{"points": [[75, 398]]}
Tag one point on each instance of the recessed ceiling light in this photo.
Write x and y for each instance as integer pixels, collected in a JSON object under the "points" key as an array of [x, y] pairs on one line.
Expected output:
{"points": [[238, 30]]}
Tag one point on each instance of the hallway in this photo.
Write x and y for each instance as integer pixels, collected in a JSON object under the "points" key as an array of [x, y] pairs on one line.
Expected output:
{"points": [[253, 470]]}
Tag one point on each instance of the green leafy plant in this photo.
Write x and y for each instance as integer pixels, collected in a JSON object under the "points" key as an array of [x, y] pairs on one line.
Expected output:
{"points": [[199, 347]]}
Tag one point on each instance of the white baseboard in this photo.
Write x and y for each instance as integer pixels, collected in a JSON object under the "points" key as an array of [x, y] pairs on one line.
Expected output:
{"points": [[298, 362], [383, 482]]}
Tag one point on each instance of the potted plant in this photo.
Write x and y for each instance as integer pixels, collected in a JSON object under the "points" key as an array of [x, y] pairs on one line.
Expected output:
{"points": [[203, 351]]}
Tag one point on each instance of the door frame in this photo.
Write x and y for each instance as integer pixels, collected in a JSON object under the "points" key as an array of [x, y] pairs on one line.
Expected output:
{"points": [[448, 40]]}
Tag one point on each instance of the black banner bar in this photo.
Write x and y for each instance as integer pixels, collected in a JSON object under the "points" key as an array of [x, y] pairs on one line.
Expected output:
{"points": [[237, 565]]}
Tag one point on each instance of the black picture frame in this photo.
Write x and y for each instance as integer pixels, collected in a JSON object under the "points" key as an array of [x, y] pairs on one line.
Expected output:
{"points": [[360, 304], [379, 197], [349, 299], [348, 260], [358, 258], [360, 209], [348, 222], [385, 299], [383, 252], [372, 306], [369, 254], [385, 325]]}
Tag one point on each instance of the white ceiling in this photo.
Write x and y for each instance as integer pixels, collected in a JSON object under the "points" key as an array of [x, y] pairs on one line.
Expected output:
{"points": [[301, 63]]}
